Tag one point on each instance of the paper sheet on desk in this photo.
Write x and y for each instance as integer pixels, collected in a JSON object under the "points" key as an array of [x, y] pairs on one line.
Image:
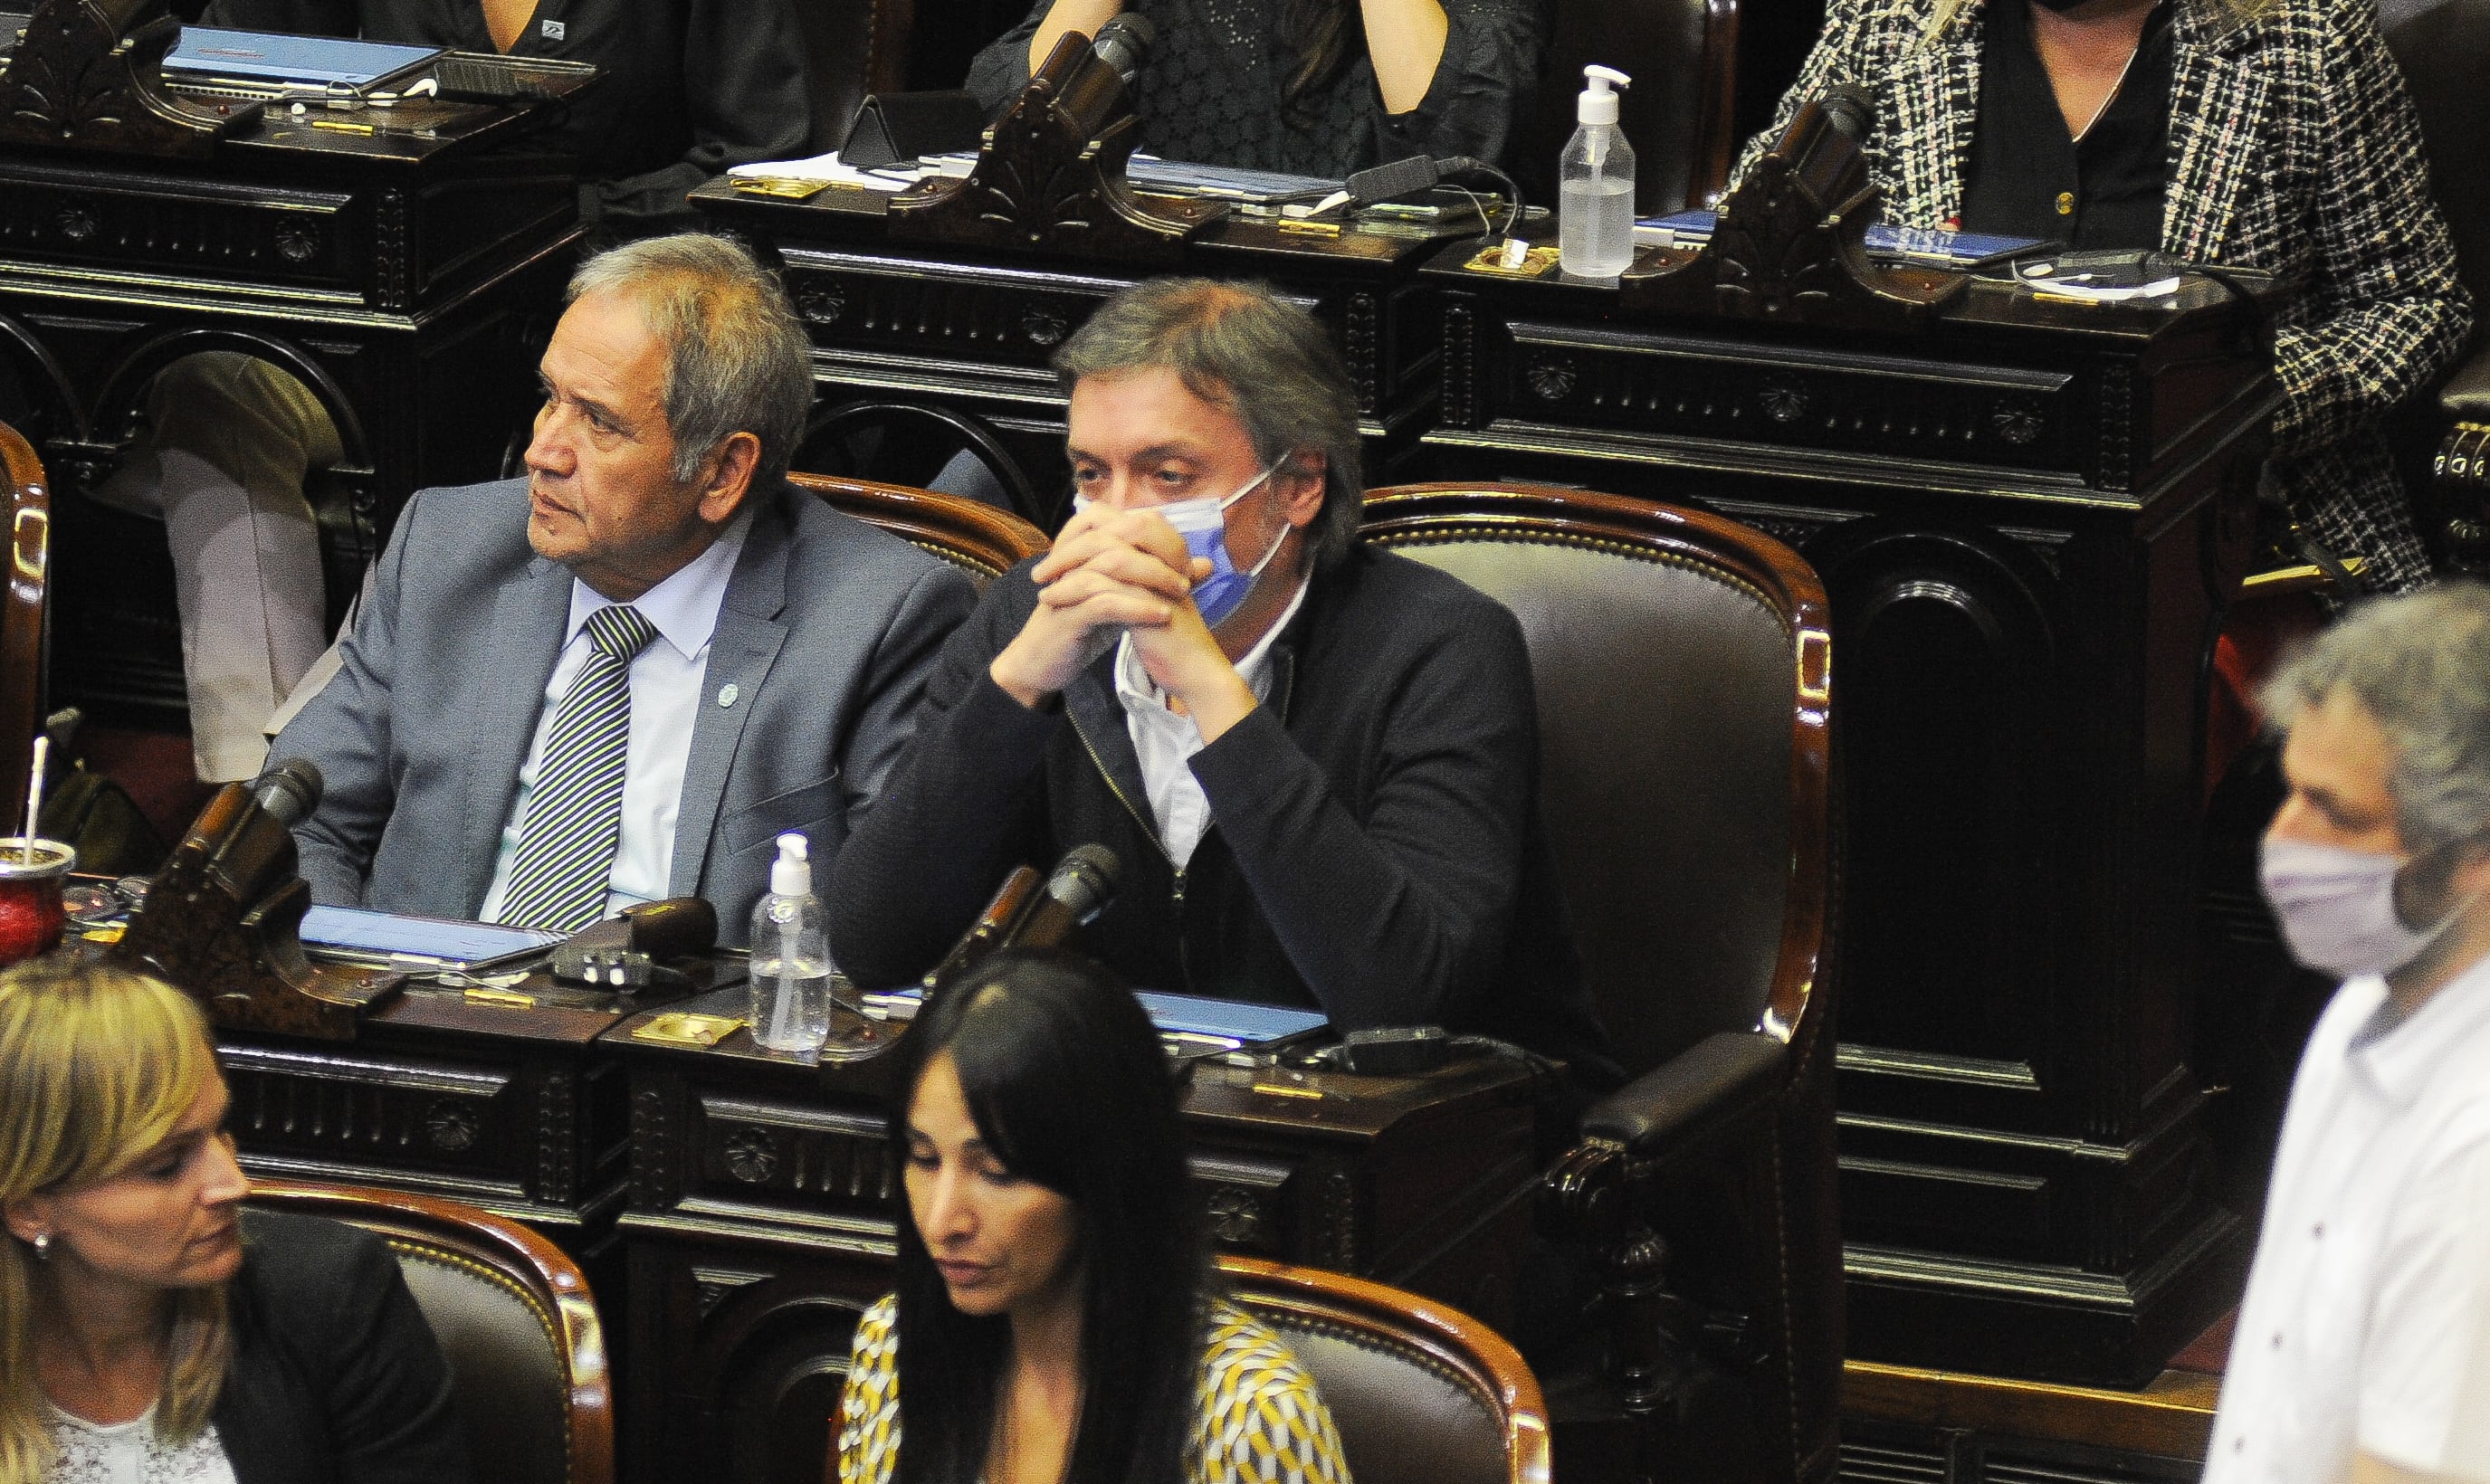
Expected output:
{"points": [[824, 167]]}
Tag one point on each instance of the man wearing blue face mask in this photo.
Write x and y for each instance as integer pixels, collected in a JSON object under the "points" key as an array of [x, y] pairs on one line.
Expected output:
{"points": [[2362, 1350], [1317, 762]]}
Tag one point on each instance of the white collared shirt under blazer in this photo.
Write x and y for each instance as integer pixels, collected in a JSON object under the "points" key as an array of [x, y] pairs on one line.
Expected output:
{"points": [[2366, 1325], [667, 681]]}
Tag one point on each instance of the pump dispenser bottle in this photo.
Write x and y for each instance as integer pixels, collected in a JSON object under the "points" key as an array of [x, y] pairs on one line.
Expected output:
{"points": [[1595, 204], [791, 957]]}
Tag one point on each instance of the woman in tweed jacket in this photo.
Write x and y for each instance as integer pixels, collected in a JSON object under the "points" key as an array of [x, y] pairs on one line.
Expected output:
{"points": [[2292, 148]]}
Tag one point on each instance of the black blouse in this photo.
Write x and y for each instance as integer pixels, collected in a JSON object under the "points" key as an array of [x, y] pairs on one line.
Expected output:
{"points": [[2028, 177], [1211, 90]]}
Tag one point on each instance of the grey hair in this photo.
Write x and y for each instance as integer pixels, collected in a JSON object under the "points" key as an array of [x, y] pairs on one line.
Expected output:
{"points": [[736, 358], [1243, 348], [2419, 666]]}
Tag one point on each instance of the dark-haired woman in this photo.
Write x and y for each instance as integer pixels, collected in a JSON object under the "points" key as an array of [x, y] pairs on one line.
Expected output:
{"points": [[2253, 134], [1056, 1319], [1307, 87]]}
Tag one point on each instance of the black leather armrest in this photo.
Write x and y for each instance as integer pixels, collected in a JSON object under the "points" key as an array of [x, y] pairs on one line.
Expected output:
{"points": [[2467, 393], [1710, 1082]]}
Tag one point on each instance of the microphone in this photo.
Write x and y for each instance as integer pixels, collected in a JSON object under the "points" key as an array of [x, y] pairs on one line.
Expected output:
{"points": [[1407, 176], [1124, 43], [1850, 109], [1077, 890], [289, 790], [1395, 179]]}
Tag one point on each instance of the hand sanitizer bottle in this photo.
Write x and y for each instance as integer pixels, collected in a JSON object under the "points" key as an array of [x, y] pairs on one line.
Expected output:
{"points": [[1595, 204], [791, 957]]}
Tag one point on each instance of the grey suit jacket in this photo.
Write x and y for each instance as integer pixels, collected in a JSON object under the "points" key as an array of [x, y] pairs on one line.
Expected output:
{"points": [[824, 637]]}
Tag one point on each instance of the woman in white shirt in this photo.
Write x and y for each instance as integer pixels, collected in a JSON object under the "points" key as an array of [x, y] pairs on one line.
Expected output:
{"points": [[150, 1330]]}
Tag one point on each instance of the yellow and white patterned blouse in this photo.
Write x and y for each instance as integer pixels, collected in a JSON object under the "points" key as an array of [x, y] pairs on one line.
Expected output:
{"points": [[1263, 1422]]}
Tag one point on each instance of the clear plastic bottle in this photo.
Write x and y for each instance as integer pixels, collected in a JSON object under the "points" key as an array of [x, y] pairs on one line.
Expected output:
{"points": [[1595, 203], [791, 957]]}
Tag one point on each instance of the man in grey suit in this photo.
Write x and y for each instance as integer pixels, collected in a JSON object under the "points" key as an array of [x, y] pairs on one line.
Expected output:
{"points": [[622, 677]]}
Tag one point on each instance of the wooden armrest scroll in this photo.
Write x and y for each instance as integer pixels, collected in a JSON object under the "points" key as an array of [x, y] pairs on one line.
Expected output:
{"points": [[74, 84], [1791, 245], [1050, 175], [223, 921]]}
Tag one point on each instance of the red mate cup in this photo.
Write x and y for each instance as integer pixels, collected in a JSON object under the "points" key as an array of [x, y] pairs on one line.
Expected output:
{"points": [[31, 918]]}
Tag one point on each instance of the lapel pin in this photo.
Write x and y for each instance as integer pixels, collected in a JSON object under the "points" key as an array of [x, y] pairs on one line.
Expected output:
{"points": [[554, 30], [727, 693]]}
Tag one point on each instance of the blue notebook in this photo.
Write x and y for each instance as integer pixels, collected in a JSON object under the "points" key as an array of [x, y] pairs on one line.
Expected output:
{"points": [[1182, 1014], [1236, 1019], [208, 52], [390, 939], [1910, 245]]}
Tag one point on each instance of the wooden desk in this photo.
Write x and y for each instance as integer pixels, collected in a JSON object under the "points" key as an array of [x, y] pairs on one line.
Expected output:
{"points": [[511, 1108], [736, 1209], [2029, 518], [407, 279], [972, 332], [764, 1197]]}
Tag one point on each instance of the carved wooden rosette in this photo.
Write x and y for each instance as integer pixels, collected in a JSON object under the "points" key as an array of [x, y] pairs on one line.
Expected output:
{"points": [[223, 920], [1050, 175], [1790, 245], [74, 84]]}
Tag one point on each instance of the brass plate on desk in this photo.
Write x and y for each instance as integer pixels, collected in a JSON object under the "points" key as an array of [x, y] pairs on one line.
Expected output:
{"points": [[682, 1028], [1535, 263], [778, 187]]}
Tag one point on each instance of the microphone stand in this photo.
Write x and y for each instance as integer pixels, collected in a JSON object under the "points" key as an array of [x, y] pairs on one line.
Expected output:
{"points": [[1051, 177], [223, 920]]}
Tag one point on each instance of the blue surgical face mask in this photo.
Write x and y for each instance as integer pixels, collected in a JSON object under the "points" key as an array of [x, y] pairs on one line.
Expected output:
{"points": [[2337, 909], [1203, 525]]}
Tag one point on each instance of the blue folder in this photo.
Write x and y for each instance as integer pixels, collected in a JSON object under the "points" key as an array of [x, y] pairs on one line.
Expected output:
{"points": [[311, 60]]}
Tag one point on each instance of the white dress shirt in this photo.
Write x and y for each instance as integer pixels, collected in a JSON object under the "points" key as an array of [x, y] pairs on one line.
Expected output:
{"points": [[1167, 741], [665, 701], [2366, 1325]]}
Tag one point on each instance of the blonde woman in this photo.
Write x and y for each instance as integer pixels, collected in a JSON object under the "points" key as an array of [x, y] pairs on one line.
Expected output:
{"points": [[2269, 134], [152, 1331]]}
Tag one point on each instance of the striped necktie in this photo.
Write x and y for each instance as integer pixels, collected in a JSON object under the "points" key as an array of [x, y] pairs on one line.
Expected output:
{"points": [[574, 821]]}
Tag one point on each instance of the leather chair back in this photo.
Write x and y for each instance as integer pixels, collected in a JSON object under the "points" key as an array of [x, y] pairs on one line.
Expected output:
{"points": [[1422, 1393], [851, 47], [1679, 114], [1680, 666], [980, 539], [2444, 51], [513, 1316], [21, 610]]}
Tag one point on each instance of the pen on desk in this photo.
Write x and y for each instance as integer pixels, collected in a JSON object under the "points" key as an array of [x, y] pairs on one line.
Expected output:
{"points": [[340, 126]]}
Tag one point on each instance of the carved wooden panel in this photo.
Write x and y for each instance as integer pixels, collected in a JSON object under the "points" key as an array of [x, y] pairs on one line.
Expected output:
{"points": [[754, 1150], [361, 1111], [993, 317], [226, 231], [1956, 413]]}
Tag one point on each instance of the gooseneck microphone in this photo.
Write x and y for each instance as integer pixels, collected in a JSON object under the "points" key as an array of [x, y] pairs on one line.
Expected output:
{"points": [[1850, 109], [1124, 43], [1076, 890], [289, 790]]}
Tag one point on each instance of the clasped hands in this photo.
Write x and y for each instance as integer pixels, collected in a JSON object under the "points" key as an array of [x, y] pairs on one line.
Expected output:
{"points": [[1114, 572]]}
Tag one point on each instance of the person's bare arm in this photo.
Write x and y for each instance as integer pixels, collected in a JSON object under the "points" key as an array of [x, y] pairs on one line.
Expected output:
{"points": [[1406, 37], [1083, 15]]}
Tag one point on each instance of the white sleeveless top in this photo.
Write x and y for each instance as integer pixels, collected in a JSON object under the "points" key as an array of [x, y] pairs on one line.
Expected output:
{"points": [[130, 1453]]}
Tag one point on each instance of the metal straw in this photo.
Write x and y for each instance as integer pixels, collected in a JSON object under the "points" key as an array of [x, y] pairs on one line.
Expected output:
{"points": [[34, 797]]}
